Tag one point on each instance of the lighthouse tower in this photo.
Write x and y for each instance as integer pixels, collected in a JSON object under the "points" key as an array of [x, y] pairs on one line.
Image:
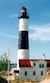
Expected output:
{"points": [[23, 43]]}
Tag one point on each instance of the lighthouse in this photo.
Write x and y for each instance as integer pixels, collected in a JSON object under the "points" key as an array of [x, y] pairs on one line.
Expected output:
{"points": [[32, 69], [23, 41]]}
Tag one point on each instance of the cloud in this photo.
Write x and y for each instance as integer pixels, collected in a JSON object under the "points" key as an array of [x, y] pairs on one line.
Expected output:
{"points": [[37, 32], [14, 15], [9, 36], [40, 32]]}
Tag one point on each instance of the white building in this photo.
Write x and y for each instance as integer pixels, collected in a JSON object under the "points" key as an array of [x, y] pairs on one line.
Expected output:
{"points": [[35, 69]]}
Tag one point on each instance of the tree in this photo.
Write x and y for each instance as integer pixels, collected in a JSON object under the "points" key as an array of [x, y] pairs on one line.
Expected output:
{"points": [[2, 80], [4, 62]]}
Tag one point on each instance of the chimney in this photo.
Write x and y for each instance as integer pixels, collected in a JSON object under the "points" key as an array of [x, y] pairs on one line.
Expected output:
{"points": [[43, 56]]}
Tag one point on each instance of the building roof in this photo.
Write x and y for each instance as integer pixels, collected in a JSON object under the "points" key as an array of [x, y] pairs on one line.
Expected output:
{"points": [[34, 59], [48, 63], [28, 62], [25, 63], [23, 13], [48, 70], [47, 60]]}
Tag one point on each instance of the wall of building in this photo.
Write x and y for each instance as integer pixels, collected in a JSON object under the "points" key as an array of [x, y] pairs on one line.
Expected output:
{"points": [[29, 73], [40, 69], [35, 68]]}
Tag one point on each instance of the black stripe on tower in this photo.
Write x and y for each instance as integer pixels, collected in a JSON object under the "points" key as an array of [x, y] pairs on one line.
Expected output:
{"points": [[23, 40]]}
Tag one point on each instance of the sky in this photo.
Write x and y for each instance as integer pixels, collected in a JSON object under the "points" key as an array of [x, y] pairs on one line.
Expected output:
{"points": [[38, 27]]}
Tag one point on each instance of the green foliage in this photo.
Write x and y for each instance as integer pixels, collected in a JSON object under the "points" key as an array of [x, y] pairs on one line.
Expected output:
{"points": [[2, 80], [4, 62]]}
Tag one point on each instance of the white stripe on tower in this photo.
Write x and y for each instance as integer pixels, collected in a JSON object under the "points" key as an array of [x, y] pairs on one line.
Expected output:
{"points": [[23, 43], [23, 24]]}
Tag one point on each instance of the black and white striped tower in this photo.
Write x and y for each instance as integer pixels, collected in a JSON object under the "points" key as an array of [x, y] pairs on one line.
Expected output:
{"points": [[23, 43]]}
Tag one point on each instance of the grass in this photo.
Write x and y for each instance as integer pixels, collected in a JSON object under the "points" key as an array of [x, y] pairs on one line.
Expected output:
{"points": [[4, 76], [47, 77], [2, 80], [15, 81], [29, 81], [25, 81]]}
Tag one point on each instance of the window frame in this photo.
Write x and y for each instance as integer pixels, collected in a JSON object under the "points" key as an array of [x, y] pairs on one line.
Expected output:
{"points": [[39, 65], [41, 73], [34, 73], [34, 64], [42, 65], [25, 73]]}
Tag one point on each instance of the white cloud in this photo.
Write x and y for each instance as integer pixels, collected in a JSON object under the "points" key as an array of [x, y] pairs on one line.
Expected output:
{"points": [[9, 36], [12, 36], [37, 32], [14, 15], [40, 32]]}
